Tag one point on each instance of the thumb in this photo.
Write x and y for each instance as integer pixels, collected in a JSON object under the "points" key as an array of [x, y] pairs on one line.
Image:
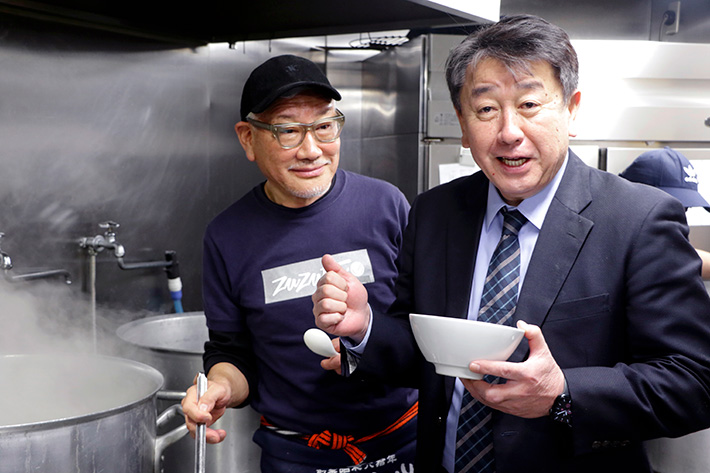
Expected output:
{"points": [[329, 264], [536, 341]]}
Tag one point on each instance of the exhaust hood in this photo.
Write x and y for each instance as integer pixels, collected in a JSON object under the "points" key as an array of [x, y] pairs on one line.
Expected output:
{"points": [[211, 21]]}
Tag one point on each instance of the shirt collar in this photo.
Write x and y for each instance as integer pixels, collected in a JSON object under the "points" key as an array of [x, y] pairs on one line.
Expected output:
{"points": [[533, 208]]}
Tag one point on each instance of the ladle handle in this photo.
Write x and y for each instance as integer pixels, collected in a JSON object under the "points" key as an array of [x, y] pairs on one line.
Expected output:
{"points": [[200, 439]]}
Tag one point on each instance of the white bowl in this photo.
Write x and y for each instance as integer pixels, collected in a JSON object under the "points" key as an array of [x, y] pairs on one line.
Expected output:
{"points": [[451, 344]]}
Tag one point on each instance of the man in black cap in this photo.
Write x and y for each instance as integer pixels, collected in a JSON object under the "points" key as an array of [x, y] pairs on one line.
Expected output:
{"points": [[261, 265], [670, 171]]}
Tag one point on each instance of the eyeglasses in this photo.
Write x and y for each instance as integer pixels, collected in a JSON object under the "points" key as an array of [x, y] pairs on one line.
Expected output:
{"points": [[291, 135]]}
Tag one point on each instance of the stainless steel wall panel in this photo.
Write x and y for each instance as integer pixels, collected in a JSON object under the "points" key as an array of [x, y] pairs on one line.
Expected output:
{"points": [[95, 128], [102, 127], [441, 120], [346, 76], [597, 19], [643, 91], [392, 116], [396, 159], [392, 91]]}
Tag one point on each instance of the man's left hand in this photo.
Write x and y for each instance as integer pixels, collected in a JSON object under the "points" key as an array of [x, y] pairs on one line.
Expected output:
{"points": [[333, 363], [531, 386]]}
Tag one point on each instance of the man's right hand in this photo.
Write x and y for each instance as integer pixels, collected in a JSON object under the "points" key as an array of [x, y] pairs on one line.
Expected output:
{"points": [[226, 387], [340, 302]]}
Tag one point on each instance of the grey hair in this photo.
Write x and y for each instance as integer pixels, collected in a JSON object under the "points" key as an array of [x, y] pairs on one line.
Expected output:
{"points": [[517, 42]]}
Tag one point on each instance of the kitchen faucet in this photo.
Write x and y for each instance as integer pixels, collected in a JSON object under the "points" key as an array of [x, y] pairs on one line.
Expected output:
{"points": [[5, 261], [108, 241], [99, 243], [6, 264]]}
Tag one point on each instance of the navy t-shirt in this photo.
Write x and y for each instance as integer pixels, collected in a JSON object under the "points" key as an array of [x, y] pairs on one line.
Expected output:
{"points": [[261, 265]]}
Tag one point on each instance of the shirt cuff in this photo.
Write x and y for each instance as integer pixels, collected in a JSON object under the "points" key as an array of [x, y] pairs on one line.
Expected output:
{"points": [[353, 350]]}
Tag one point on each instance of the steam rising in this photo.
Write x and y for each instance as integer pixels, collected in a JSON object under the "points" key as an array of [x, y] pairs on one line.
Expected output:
{"points": [[51, 317], [37, 317], [71, 376]]}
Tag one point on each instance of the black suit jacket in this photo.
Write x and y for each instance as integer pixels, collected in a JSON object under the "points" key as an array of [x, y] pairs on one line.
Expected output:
{"points": [[615, 286]]}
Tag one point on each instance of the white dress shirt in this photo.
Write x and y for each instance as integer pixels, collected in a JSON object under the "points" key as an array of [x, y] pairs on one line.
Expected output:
{"points": [[534, 209]]}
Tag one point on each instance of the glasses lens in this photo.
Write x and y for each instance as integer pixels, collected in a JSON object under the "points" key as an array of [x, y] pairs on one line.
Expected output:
{"points": [[327, 130], [289, 136]]}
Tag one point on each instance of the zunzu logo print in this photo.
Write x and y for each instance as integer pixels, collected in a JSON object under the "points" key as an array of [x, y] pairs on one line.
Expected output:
{"points": [[299, 279]]}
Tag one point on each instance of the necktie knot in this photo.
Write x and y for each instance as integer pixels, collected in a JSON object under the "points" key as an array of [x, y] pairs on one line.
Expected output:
{"points": [[513, 221]]}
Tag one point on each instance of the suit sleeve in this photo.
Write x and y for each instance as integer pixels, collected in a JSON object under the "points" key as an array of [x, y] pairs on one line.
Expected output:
{"points": [[391, 338]]}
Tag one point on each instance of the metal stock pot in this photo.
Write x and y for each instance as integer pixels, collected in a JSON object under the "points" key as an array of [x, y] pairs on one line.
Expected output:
{"points": [[174, 344], [79, 413]]}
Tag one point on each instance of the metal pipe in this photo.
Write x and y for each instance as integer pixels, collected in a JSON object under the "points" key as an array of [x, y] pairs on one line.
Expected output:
{"points": [[92, 297], [42, 275], [171, 395], [143, 265]]}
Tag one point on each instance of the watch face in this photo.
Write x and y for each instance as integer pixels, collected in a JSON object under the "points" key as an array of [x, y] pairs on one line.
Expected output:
{"points": [[561, 410]]}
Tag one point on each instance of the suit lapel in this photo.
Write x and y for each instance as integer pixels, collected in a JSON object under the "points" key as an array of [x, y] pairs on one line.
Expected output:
{"points": [[561, 238], [463, 234]]}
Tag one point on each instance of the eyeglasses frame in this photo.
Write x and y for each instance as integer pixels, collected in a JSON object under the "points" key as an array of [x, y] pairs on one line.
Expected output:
{"points": [[306, 126]]}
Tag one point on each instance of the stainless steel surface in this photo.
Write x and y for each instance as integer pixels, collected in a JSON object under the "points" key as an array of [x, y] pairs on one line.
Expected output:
{"points": [[687, 454], [393, 127], [97, 126], [172, 436], [76, 413], [174, 345], [659, 92], [608, 19], [417, 130]]}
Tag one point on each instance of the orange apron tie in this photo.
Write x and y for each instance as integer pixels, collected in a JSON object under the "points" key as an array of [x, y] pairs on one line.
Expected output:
{"points": [[328, 439], [347, 443]]}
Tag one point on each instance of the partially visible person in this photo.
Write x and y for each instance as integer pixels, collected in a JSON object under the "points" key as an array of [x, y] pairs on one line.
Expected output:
{"points": [[261, 265], [602, 279], [670, 171]]}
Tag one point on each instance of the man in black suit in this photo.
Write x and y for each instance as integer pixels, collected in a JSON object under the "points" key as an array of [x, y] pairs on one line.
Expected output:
{"points": [[616, 317]]}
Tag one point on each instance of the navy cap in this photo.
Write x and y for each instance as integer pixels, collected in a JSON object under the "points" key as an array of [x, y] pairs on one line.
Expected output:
{"points": [[276, 77], [669, 170]]}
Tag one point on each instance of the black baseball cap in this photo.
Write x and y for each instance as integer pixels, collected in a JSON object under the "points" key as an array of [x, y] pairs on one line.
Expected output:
{"points": [[278, 75], [670, 171]]}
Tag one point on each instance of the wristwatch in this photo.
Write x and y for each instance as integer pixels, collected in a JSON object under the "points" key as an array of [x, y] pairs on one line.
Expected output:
{"points": [[561, 410]]}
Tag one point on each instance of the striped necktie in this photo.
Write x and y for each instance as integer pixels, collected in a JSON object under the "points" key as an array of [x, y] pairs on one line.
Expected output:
{"points": [[474, 436]]}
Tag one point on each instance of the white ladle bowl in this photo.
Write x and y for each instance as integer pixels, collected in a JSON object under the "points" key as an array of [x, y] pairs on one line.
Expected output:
{"points": [[319, 342]]}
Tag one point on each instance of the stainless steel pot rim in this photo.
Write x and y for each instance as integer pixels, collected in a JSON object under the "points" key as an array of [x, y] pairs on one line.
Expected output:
{"points": [[146, 370], [125, 331]]}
